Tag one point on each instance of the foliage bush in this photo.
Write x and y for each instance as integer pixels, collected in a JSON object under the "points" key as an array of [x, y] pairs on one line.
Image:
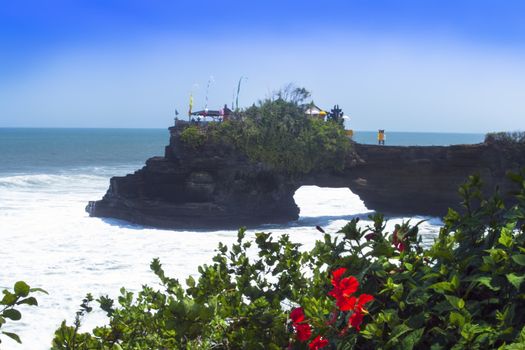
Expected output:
{"points": [[11, 301], [279, 134], [362, 288], [193, 136], [506, 138]]}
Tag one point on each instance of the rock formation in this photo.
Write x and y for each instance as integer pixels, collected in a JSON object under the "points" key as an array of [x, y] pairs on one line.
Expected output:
{"points": [[217, 187]]}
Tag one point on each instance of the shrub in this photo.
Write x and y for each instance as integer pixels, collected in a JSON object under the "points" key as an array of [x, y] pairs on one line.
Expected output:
{"points": [[280, 135], [363, 288], [506, 138], [193, 136]]}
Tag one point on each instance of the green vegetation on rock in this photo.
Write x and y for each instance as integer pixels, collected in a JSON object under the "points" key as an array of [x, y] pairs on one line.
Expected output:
{"points": [[278, 133], [193, 136], [360, 288], [506, 138]]}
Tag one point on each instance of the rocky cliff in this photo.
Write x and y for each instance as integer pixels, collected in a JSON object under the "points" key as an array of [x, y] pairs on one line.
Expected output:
{"points": [[217, 187], [425, 180], [208, 187]]}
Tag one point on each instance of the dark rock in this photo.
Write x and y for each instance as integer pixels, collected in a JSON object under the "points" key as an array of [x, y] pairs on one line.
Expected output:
{"points": [[217, 187], [204, 188]]}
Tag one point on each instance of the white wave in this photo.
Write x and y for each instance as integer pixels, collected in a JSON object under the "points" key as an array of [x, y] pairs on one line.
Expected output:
{"points": [[40, 180]]}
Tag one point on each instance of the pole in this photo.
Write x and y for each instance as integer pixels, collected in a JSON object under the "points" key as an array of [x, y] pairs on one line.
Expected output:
{"points": [[238, 90]]}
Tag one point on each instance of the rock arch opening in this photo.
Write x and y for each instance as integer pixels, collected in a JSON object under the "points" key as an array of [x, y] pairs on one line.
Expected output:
{"points": [[315, 201]]}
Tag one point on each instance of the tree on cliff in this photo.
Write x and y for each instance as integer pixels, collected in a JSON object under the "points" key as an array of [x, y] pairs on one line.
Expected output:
{"points": [[292, 93]]}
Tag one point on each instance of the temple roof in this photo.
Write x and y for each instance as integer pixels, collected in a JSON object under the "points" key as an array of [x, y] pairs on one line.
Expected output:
{"points": [[312, 109]]}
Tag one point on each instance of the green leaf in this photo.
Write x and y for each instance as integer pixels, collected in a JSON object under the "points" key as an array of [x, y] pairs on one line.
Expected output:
{"points": [[484, 280], [469, 331], [351, 230], [496, 256], [436, 347], [430, 275], [515, 280], [456, 302], [506, 234], [519, 259], [441, 287], [38, 290], [28, 301], [398, 332], [455, 282], [412, 339], [190, 281], [522, 335], [457, 319], [13, 314], [13, 336], [417, 320], [21, 289], [8, 299]]}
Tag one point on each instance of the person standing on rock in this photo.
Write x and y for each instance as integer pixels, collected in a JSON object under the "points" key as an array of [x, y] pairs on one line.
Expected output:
{"points": [[381, 137]]}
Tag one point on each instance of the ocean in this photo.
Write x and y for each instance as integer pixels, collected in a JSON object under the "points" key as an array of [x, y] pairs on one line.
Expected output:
{"points": [[47, 176]]}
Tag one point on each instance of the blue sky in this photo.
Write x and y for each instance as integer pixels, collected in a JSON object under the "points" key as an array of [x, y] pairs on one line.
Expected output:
{"points": [[403, 65]]}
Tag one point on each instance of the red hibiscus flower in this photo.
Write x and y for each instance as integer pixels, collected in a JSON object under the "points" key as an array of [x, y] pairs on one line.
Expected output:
{"points": [[356, 319], [343, 289], [297, 315], [337, 274], [345, 303], [359, 311], [362, 300], [318, 343], [302, 329]]}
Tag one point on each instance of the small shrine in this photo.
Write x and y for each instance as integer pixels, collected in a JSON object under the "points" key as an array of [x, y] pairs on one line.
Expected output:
{"points": [[315, 112], [222, 114]]}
